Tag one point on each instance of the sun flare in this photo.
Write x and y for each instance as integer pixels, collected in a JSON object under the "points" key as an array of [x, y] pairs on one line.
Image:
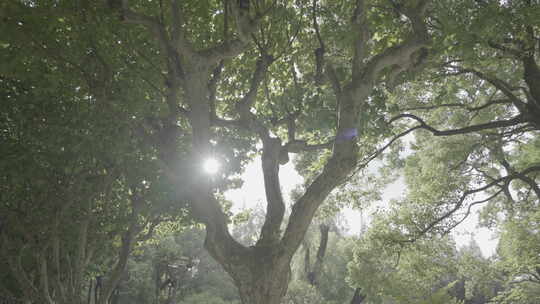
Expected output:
{"points": [[211, 166]]}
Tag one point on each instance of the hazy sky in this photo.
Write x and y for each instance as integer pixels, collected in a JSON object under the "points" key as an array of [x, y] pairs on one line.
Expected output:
{"points": [[252, 193]]}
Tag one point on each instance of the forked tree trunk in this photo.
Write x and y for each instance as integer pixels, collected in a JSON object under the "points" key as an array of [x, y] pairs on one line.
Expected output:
{"points": [[264, 280]]}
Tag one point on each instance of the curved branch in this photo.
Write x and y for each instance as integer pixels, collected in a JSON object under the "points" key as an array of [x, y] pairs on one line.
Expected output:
{"points": [[528, 180], [458, 205], [460, 202], [243, 107], [402, 54], [502, 86], [469, 208], [460, 105], [505, 49], [378, 152], [275, 210], [152, 24], [474, 128], [520, 175]]}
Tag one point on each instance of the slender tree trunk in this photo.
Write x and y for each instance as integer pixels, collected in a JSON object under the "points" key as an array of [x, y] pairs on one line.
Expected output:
{"points": [[358, 297], [115, 276], [128, 240], [89, 296], [313, 272]]}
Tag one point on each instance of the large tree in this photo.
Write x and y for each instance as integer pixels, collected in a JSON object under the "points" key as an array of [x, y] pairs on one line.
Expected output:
{"points": [[210, 92]]}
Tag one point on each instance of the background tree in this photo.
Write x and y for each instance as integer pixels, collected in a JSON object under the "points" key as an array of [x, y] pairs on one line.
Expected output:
{"points": [[477, 112], [78, 188]]}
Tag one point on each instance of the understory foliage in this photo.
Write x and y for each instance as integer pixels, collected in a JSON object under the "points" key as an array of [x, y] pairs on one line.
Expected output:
{"points": [[110, 108]]}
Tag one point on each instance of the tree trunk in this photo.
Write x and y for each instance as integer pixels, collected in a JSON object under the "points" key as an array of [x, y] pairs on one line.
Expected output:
{"points": [[313, 272], [358, 297], [128, 241], [264, 280]]}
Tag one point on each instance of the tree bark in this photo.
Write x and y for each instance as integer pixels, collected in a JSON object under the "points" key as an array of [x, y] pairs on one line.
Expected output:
{"points": [[358, 297], [128, 240], [313, 273], [264, 277]]}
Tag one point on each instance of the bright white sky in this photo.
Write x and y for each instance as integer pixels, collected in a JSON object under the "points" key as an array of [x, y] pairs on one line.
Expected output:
{"points": [[252, 193]]}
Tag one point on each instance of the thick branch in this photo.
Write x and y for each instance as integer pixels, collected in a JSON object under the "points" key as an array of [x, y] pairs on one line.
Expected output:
{"points": [[270, 232], [334, 80], [245, 26], [344, 157], [179, 41], [170, 50], [16, 269], [307, 258], [225, 50], [402, 54], [339, 166], [532, 78], [505, 49], [361, 30], [520, 175], [319, 52], [531, 182], [212, 89], [205, 207], [320, 61], [243, 107], [275, 207], [152, 24], [81, 253]]}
